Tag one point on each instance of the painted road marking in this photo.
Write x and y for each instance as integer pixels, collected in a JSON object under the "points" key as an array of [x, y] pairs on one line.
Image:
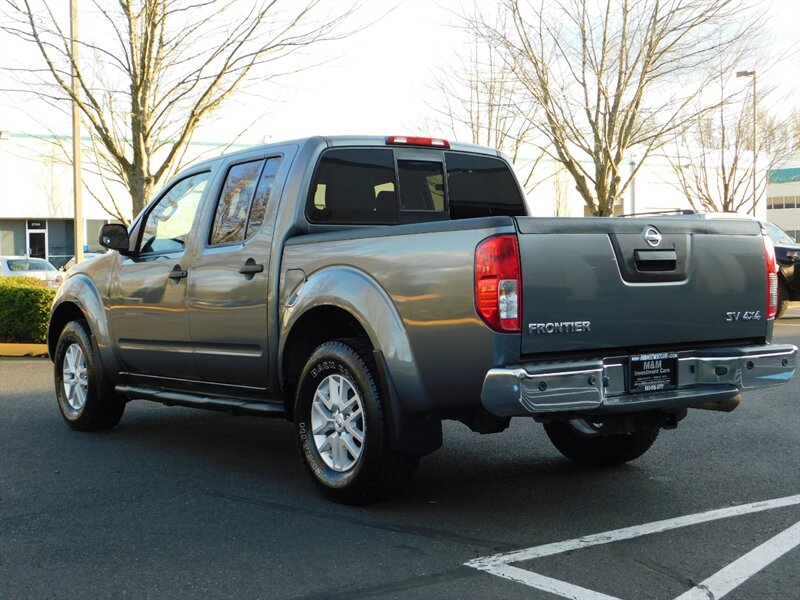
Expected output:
{"points": [[722, 582], [742, 569]]}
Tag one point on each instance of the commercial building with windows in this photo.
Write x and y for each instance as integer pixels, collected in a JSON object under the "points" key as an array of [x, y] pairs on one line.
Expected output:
{"points": [[36, 200], [783, 200]]}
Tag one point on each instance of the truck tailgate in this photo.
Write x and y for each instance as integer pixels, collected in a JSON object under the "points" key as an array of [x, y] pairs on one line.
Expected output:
{"points": [[598, 283]]}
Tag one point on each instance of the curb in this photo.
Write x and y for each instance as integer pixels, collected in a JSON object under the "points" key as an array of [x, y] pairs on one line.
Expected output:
{"points": [[23, 349]]}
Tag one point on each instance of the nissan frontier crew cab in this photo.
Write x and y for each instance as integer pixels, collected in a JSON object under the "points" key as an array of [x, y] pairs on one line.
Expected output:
{"points": [[367, 288]]}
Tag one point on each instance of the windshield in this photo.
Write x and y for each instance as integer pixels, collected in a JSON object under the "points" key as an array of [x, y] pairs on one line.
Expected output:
{"points": [[777, 235], [29, 264]]}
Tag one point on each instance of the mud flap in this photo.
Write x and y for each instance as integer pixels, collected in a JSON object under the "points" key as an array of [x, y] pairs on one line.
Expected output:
{"points": [[408, 433]]}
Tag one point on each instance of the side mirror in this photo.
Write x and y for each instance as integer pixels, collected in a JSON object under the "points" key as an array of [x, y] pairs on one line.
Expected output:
{"points": [[114, 236]]}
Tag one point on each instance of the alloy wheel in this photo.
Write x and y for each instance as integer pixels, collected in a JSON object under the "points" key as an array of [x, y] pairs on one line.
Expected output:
{"points": [[337, 423]]}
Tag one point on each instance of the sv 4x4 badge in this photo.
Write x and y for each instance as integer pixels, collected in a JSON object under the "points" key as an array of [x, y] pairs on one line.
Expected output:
{"points": [[747, 315]]}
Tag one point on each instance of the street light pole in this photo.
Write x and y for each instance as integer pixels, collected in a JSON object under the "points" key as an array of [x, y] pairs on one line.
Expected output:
{"points": [[755, 131], [78, 235]]}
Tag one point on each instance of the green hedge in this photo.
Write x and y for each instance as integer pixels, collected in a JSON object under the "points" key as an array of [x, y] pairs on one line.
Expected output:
{"points": [[24, 310]]}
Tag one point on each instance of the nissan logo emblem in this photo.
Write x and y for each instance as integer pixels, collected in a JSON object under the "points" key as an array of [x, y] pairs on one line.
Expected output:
{"points": [[652, 236]]}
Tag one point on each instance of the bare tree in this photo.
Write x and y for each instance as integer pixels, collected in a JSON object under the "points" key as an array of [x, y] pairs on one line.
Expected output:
{"points": [[610, 75], [150, 71], [714, 159], [480, 97]]}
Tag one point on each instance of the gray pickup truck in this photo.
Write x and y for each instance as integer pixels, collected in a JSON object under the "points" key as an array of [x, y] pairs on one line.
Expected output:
{"points": [[368, 288]]}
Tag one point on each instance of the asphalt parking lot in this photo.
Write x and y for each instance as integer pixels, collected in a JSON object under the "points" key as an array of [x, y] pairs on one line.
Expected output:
{"points": [[176, 503]]}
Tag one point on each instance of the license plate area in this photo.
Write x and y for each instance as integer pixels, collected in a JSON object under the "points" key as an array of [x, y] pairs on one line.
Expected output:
{"points": [[653, 372]]}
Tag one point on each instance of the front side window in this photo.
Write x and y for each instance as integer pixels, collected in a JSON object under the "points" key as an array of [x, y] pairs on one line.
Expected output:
{"points": [[354, 186], [170, 221]]}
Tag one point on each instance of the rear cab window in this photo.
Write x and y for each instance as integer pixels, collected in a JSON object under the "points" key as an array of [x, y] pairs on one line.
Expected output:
{"points": [[481, 186], [385, 186]]}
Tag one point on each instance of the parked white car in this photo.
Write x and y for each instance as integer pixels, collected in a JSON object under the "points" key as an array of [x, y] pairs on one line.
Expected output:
{"points": [[24, 266]]}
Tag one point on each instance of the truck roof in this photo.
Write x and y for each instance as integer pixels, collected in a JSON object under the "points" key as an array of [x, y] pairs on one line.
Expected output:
{"points": [[352, 140]]}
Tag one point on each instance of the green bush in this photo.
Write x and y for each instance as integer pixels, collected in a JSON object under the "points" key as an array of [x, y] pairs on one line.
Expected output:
{"points": [[24, 310]]}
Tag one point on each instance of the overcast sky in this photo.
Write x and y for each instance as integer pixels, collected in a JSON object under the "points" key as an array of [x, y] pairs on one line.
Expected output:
{"points": [[377, 82]]}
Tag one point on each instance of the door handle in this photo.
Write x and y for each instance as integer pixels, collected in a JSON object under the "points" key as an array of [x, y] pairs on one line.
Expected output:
{"points": [[178, 273], [251, 268]]}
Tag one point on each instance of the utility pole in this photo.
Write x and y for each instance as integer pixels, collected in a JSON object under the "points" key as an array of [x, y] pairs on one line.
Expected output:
{"points": [[755, 132], [76, 134], [755, 143]]}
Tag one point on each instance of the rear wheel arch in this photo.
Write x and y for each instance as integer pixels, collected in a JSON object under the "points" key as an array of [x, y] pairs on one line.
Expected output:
{"points": [[374, 314], [316, 326]]}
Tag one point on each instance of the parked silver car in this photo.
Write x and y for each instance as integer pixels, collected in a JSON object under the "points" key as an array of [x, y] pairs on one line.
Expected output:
{"points": [[24, 266]]}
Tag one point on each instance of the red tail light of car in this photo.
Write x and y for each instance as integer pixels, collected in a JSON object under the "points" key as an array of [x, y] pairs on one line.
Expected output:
{"points": [[498, 283]]}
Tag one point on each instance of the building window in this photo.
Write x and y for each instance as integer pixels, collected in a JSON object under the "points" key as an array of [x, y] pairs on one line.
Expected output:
{"points": [[12, 237], [60, 241]]}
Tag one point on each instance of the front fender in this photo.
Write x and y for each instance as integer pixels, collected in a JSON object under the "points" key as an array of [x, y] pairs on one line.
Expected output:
{"points": [[357, 293], [79, 291]]}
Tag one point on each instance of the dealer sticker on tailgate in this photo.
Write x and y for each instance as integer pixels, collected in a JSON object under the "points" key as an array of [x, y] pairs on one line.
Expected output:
{"points": [[654, 372]]}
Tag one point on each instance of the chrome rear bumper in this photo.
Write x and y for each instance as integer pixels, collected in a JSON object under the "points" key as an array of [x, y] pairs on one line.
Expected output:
{"points": [[600, 386]]}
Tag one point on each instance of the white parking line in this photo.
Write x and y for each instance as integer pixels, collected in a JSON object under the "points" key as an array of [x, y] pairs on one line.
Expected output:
{"points": [[723, 581], [742, 569]]}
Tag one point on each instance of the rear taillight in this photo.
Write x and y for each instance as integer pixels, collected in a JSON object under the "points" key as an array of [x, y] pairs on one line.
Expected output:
{"points": [[498, 283], [772, 276]]}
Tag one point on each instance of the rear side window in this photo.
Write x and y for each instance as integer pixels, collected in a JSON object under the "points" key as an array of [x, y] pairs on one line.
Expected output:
{"points": [[243, 201], [261, 199], [481, 186], [233, 208], [354, 186]]}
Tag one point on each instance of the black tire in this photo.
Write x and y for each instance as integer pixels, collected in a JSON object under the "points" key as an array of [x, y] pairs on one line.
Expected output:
{"points": [[378, 471], [88, 408], [783, 299], [582, 443]]}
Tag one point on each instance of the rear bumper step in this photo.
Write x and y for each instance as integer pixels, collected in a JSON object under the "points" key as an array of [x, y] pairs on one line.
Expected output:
{"points": [[600, 386]]}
